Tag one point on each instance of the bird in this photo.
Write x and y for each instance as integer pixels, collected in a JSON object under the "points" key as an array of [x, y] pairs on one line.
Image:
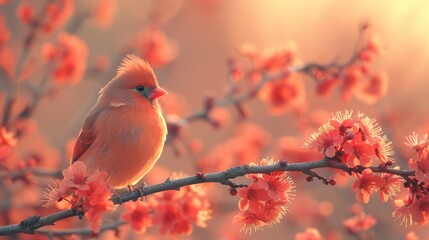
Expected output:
{"points": [[124, 132]]}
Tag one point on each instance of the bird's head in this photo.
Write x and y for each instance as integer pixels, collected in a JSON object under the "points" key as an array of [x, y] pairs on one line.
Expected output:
{"points": [[135, 81]]}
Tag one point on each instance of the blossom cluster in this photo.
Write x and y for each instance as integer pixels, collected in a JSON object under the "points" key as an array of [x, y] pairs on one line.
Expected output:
{"points": [[354, 141], [358, 142], [68, 55], [414, 208], [355, 78], [85, 191], [173, 211], [55, 14], [282, 89], [263, 202], [359, 223]]}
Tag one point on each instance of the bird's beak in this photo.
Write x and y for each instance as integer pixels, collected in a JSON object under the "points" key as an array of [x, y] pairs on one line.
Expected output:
{"points": [[156, 93]]}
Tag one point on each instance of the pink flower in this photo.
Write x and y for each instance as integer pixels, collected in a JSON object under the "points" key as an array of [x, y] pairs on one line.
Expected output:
{"points": [[69, 57], [104, 12], [271, 59], [374, 89], [367, 184], [343, 121], [414, 142], [153, 45], [421, 165], [7, 142], [359, 223], [325, 86], [56, 14], [383, 150], [175, 211], [252, 197], [412, 210], [276, 58], [219, 117], [54, 193], [411, 236], [249, 221], [138, 213], [309, 234], [369, 128], [326, 140], [359, 153], [76, 176], [89, 191], [283, 94], [264, 201], [391, 186], [25, 12], [278, 186], [351, 81], [4, 31]]}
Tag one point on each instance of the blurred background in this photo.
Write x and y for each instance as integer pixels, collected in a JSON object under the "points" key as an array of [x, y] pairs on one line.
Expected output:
{"points": [[202, 36]]}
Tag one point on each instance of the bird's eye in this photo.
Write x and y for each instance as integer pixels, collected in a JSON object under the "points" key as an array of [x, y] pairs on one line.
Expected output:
{"points": [[140, 88]]}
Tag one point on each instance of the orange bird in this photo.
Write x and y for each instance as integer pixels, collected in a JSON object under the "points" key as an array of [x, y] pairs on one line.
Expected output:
{"points": [[124, 133]]}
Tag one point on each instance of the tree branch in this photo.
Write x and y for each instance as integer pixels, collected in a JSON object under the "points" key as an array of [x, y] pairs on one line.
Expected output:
{"points": [[30, 224], [80, 231]]}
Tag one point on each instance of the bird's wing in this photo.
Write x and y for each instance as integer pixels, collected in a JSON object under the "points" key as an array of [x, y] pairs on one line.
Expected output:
{"points": [[87, 134]]}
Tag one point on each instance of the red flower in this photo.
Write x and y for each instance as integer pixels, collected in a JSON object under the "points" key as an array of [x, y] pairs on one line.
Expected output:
{"points": [[249, 221], [76, 176], [271, 59], [278, 57], [7, 142], [414, 142], [89, 190], [138, 213], [374, 89], [53, 194], [309, 234], [252, 198], [325, 140], [359, 152], [390, 187], [25, 13], [359, 223], [56, 14], [69, 55], [369, 128], [219, 117], [367, 184], [152, 44], [263, 202], [351, 82], [4, 31], [283, 94], [104, 12], [412, 210], [175, 211]]}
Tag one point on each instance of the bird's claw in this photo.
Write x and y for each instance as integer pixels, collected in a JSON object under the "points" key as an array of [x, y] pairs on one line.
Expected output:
{"points": [[140, 191], [117, 198]]}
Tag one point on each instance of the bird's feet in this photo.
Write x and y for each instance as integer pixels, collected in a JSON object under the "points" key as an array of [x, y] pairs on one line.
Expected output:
{"points": [[116, 198], [138, 190]]}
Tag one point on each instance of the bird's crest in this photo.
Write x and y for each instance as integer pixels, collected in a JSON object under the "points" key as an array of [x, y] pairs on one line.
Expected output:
{"points": [[137, 68]]}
